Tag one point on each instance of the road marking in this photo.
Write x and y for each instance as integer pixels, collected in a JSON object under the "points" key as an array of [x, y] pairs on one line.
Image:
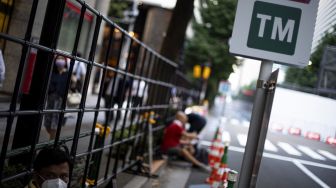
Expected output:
{"points": [[205, 143], [242, 139], [327, 154], [226, 137], [276, 156], [246, 123], [289, 149], [269, 146], [310, 153], [234, 121], [283, 158], [310, 174]]}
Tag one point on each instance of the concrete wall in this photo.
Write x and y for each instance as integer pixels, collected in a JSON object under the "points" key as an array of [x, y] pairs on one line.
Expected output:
{"points": [[17, 28], [303, 110]]}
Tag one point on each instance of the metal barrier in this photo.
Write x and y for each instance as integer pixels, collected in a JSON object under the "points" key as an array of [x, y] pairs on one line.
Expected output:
{"points": [[109, 133]]}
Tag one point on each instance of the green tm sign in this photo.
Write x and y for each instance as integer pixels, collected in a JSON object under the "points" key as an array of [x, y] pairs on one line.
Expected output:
{"points": [[274, 28]]}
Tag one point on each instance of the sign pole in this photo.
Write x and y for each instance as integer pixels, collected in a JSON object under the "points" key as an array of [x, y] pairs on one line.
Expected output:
{"points": [[270, 92], [255, 126]]}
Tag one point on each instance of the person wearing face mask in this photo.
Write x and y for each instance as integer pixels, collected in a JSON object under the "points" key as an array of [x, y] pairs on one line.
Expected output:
{"points": [[51, 169], [57, 88]]}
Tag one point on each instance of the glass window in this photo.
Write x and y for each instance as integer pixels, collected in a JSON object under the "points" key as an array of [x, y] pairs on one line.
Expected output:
{"points": [[69, 27]]}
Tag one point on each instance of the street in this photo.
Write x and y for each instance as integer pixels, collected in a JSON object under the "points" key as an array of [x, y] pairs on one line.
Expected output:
{"points": [[288, 160]]}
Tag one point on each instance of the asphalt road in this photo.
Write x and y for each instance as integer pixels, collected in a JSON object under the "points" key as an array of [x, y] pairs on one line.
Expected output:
{"points": [[288, 160]]}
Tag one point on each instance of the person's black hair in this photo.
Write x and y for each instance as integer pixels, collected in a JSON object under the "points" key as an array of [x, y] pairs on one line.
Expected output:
{"points": [[51, 156]]}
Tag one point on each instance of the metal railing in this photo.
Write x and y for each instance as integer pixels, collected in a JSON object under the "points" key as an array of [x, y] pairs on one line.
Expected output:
{"points": [[100, 146]]}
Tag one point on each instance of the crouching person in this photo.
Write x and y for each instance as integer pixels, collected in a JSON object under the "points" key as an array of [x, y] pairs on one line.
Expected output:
{"points": [[177, 142], [51, 169]]}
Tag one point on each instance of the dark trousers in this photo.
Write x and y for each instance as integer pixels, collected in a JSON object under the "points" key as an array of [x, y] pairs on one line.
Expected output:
{"points": [[109, 103]]}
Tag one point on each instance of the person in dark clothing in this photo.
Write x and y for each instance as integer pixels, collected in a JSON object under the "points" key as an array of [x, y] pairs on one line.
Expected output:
{"points": [[197, 122], [57, 88], [115, 95]]}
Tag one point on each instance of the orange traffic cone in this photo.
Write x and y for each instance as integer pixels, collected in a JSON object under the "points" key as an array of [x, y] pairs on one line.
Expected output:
{"points": [[212, 151], [211, 179], [219, 179], [215, 154], [215, 149]]}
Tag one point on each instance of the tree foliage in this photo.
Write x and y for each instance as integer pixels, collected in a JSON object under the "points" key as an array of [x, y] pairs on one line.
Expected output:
{"points": [[210, 41], [308, 76], [117, 8]]}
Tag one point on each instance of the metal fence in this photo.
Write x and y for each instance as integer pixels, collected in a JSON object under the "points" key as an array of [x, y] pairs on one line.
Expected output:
{"points": [[114, 131]]}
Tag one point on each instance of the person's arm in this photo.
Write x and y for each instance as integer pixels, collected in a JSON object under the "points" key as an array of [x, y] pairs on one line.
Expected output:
{"points": [[184, 141], [192, 135]]}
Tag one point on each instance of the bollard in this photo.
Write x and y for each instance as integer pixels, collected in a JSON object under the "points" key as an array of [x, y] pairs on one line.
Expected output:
{"points": [[232, 178]]}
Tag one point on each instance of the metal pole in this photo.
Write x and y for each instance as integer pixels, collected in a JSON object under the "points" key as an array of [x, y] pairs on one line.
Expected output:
{"points": [[270, 89], [150, 148], [255, 126]]}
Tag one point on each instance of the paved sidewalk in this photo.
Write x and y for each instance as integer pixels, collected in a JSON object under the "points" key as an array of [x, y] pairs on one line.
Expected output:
{"points": [[171, 176]]}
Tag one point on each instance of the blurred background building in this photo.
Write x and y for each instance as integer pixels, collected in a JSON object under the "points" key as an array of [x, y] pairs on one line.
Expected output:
{"points": [[325, 21]]}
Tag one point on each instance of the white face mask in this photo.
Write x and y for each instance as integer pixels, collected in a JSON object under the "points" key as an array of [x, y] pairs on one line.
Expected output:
{"points": [[60, 63], [54, 183]]}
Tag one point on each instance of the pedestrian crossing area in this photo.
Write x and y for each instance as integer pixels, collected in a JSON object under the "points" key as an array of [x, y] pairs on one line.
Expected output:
{"points": [[298, 150]]}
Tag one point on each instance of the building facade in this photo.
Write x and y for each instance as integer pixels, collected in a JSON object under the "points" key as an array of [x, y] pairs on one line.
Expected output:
{"points": [[326, 19]]}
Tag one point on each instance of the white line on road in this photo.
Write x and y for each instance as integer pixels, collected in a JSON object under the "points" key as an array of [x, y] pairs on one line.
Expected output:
{"points": [[310, 174], [310, 152], [242, 139], [234, 121], [226, 137], [283, 158], [246, 123], [289, 149], [327, 154], [205, 143], [275, 156], [269, 146]]}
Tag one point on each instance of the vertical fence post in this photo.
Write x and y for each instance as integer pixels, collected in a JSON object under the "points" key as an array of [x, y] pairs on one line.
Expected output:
{"points": [[28, 127], [150, 147]]}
